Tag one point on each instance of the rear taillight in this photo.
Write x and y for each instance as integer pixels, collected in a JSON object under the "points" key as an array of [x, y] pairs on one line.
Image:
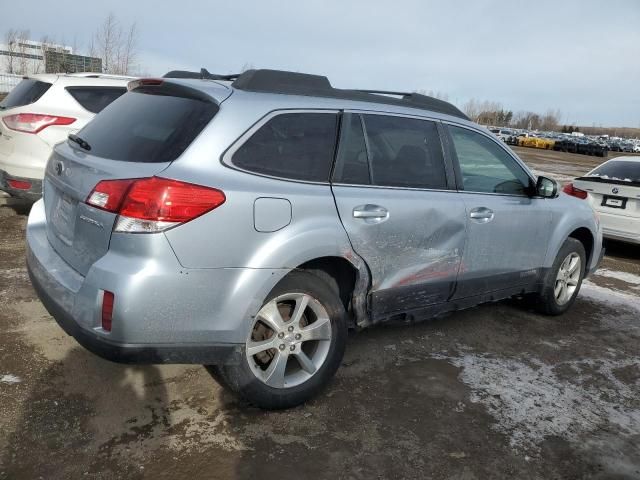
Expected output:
{"points": [[34, 122], [153, 204], [570, 189], [108, 299], [19, 184]]}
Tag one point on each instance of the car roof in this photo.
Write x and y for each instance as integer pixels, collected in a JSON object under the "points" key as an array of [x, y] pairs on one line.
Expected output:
{"points": [[626, 158], [86, 78], [293, 89]]}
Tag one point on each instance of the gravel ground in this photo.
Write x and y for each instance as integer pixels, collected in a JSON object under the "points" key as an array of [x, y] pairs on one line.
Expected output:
{"points": [[492, 392]]}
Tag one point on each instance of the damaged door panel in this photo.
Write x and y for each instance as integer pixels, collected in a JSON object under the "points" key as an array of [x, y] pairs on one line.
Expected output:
{"points": [[390, 189]]}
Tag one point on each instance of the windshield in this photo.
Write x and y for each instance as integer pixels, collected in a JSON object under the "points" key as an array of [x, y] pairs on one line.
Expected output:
{"points": [[145, 127], [618, 170]]}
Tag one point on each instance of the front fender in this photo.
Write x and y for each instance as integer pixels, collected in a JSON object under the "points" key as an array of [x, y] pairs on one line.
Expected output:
{"points": [[569, 215]]}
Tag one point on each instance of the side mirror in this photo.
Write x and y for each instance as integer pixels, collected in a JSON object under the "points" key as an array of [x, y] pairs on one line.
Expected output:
{"points": [[546, 187]]}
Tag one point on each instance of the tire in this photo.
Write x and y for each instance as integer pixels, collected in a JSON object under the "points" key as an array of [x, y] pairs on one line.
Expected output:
{"points": [[257, 378], [549, 301]]}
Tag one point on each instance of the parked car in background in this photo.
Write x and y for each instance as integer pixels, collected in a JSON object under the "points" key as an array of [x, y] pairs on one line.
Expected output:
{"points": [[247, 225], [40, 112], [613, 190]]}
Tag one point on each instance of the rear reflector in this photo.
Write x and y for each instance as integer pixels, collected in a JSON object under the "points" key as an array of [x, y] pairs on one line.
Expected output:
{"points": [[569, 189], [19, 184], [34, 122], [107, 310], [153, 204]]}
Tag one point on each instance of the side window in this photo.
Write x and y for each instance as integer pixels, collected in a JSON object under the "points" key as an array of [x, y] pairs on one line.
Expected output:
{"points": [[352, 165], [486, 167], [299, 146], [405, 152], [95, 99]]}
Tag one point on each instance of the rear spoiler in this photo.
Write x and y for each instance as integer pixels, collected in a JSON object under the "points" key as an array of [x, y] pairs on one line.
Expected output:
{"points": [[158, 86], [608, 180]]}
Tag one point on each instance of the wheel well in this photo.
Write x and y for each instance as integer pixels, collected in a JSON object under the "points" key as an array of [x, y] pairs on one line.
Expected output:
{"points": [[584, 236], [337, 272]]}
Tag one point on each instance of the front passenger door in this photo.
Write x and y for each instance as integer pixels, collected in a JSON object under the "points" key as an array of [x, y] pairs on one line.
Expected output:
{"points": [[507, 229]]}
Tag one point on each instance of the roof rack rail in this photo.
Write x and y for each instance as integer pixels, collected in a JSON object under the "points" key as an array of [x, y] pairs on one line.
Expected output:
{"points": [[295, 83], [203, 74], [385, 92]]}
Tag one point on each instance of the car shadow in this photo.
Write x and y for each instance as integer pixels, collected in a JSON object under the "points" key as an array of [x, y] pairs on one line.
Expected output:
{"points": [[18, 205], [621, 250], [72, 421]]}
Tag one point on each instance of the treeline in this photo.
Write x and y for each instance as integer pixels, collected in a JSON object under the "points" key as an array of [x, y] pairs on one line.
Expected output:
{"points": [[493, 113], [113, 42]]}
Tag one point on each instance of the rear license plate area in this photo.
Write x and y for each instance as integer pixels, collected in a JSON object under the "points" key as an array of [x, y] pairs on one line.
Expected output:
{"points": [[614, 202], [64, 217]]}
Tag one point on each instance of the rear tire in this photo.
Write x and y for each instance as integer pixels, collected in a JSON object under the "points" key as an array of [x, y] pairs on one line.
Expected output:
{"points": [[563, 280], [296, 343]]}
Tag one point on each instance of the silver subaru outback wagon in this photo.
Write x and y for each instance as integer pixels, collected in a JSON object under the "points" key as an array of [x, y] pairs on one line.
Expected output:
{"points": [[247, 222]]}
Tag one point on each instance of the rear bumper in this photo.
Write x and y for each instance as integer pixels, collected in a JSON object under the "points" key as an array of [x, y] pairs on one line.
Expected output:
{"points": [[163, 313], [211, 354], [33, 193], [625, 228]]}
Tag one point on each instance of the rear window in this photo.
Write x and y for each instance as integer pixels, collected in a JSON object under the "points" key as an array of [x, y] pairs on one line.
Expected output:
{"points": [[147, 127], [95, 99], [618, 170], [299, 146], [26, 92]]}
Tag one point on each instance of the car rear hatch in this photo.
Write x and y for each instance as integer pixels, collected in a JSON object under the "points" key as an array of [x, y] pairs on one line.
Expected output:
{"points": [[614, 187], [137, 136]]}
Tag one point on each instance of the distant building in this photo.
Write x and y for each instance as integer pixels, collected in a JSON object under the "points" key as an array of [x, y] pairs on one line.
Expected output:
{"points": [[25, 57]]}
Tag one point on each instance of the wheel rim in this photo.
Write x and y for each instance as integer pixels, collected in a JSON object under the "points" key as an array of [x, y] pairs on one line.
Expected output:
{"points": [[568, 278], [289, 340]]}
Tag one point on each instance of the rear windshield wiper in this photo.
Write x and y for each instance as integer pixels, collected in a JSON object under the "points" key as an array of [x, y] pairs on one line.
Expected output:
{"points": [[83, 144]]}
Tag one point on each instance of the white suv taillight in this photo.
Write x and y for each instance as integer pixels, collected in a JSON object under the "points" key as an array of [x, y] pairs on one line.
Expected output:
{"points": [[34, 122], [149, 205]]}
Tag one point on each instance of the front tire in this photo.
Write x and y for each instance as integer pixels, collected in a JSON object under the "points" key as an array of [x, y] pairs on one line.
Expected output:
{"points": [[562, 282], [295, 344]]}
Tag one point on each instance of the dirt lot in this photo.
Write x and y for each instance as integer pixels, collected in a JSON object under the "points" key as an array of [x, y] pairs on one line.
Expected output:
{"points": [[493, 392]]}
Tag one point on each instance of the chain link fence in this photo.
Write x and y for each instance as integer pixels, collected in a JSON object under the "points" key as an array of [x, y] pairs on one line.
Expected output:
{"points": [[7, 82]]}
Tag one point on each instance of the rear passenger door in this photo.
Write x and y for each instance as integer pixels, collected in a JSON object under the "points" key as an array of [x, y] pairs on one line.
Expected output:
{"points": [[507, 228], [394, 195]]}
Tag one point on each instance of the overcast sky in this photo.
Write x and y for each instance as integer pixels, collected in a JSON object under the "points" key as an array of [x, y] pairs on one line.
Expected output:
{"points": [[582, 57]]}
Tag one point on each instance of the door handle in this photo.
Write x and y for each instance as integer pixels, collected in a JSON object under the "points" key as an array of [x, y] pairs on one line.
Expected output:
{"points": [[370, 211], [481, 214]]}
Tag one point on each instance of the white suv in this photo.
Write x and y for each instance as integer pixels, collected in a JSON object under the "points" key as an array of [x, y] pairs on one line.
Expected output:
{"points": [[43, 110]]}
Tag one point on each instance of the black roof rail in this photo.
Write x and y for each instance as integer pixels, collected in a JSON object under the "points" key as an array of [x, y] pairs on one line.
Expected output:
{"points": [[295, 83], [203, 74], [385, 92]]}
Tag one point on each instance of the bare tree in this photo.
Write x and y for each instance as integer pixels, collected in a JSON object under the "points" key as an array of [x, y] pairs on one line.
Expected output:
{"points": [[117, 49], [11, 39], [23, 52]]}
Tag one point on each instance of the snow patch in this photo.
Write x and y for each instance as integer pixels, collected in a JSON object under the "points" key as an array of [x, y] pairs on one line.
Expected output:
{"points": [[531, 401], [623, 276], [10, 379], [608, 296]]}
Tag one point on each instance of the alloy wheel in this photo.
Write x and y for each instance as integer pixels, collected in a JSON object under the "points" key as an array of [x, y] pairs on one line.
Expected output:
{"points": [[289, 340], [567, 278]]}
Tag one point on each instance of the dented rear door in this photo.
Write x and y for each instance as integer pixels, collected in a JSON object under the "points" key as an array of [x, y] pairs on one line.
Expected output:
{"points": [[411, 238]]}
